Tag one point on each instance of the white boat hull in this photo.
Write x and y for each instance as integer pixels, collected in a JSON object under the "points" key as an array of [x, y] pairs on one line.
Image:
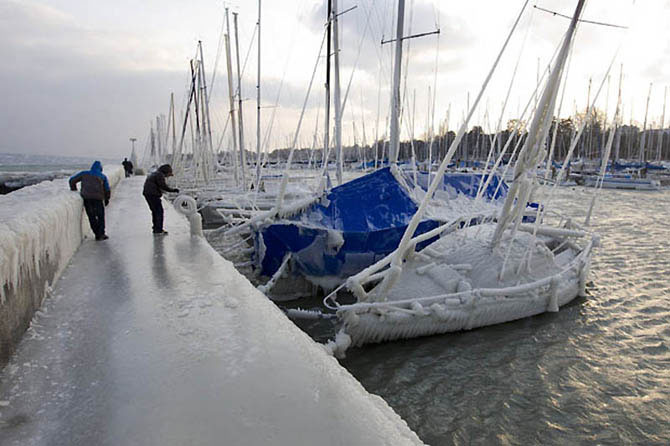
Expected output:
{"points": [[385, 323], [625, 183], [553, 284]]}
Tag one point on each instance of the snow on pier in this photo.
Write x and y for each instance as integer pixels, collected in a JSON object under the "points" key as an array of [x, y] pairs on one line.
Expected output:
{"points": [[159, 340]]}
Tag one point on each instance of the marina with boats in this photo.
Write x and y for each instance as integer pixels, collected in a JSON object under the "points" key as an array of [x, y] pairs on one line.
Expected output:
{"points": [[415, 258], [403, 240]]}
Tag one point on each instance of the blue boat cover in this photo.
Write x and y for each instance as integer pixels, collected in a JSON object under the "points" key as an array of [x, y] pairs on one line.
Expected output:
{"points": [[467, 184], [637, 165], [358, 223]]}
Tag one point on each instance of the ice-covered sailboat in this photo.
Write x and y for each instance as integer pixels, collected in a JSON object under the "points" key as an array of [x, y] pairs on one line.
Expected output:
{"points": [[475, 275], [344, 230], [356, 224]]}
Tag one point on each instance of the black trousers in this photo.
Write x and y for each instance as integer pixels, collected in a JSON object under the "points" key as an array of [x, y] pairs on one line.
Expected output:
{"points": [[95, 211], [156, 206]]}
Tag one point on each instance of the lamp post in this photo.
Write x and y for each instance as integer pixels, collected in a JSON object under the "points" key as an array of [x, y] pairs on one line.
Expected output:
{"points": [[133, 156]]}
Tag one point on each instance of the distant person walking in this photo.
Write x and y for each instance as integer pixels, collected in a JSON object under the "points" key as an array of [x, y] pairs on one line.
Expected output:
{"points": [[128, 167], [95, 191], [153, 190]]}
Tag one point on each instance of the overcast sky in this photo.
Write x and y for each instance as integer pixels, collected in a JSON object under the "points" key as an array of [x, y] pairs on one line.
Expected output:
{"points": [[81, 77]]}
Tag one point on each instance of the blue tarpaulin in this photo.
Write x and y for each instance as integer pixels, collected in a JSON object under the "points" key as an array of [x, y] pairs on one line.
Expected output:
{"points": [[467, 184], [357, 224], [370, 214]]}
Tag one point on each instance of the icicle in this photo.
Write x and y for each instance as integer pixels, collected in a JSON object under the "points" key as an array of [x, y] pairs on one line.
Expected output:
{"points": [[552, 301]]}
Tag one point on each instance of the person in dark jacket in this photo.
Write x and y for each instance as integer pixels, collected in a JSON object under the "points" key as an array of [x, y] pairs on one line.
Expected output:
{"points": [[153, 190], [95, 191], [127, 167]]}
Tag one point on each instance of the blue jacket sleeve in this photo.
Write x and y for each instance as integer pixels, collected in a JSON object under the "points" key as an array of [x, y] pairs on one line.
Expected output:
{"points": [[74, 179]]}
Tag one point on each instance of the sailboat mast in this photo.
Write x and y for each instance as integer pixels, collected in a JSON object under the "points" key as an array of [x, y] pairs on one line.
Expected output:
{"points": [[617, 121], [643, 137], [660, 127], [243, 158], [205, 94], [158, 139], [587, 117], [174, 124], [258, 101], [379, 94], [206, 148], [394, 142], [336, 95], [530, 154], [231, 99], [326, 133], [175, 162]]}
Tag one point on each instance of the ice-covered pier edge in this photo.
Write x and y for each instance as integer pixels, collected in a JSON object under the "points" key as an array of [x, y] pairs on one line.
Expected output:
{"points": [[159, 340], [41, 226]]}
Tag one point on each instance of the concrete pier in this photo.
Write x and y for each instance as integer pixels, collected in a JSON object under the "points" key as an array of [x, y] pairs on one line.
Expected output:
{"points": [[157, 340]]}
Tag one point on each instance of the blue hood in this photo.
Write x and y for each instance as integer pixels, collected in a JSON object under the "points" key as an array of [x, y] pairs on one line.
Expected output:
{"points": [[96, 167]]}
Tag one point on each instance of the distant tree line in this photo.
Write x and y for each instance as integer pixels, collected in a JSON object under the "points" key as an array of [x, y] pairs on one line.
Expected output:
{"points": [[476, 144]]}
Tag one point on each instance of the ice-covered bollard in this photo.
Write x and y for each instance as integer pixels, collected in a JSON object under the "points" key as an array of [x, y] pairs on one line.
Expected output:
{"points": [[187, 206]]}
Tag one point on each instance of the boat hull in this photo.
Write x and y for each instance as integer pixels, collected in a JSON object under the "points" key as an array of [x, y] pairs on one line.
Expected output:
{"points": [[474, 293], [624, 183], [381, 323]]}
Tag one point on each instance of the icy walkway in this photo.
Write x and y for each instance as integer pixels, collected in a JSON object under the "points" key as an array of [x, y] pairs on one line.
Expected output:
{"points": [[159, 341]]}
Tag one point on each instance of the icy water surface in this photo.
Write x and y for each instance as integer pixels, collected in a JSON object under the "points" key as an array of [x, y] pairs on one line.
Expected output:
{"points": [[19, 170], [595, 373]]}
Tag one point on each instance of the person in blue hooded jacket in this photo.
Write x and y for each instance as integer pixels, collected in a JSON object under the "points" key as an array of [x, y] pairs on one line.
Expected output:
{"points": [[95, 191]]}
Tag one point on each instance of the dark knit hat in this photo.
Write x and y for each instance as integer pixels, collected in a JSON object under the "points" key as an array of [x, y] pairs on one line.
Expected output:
{"points": [[165, 169]]}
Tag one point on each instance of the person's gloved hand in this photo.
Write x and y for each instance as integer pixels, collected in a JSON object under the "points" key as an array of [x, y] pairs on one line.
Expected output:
{"points": [[176, 191], [106, 202]]}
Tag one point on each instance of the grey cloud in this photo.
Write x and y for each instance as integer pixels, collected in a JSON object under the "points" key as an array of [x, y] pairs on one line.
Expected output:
{"points": [[81, 113], [66, 90], [39, 38]]}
